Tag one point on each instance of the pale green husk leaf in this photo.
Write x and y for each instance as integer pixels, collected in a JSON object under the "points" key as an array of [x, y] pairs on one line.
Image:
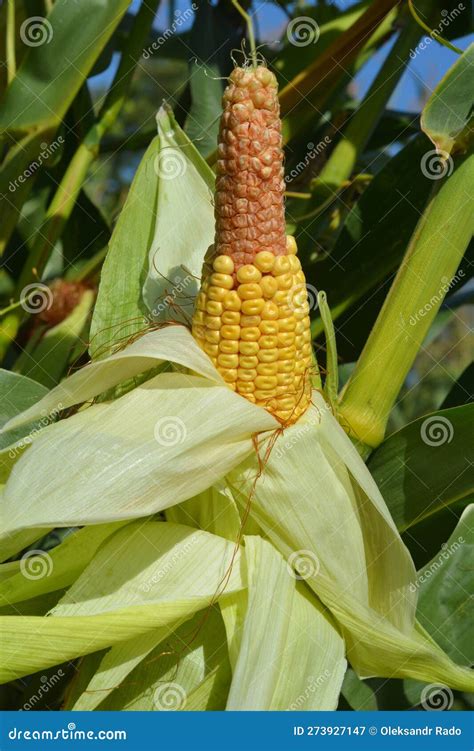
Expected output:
{"points": [[147, 576], [291, 655]]}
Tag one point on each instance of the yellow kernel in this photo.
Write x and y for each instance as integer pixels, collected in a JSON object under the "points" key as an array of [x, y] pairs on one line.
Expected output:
{"points": [[228, 361], [265, 382], [285, 366], [267, 341], [211, 349], [229, 375], [295, 264], [301, 313], [301, 326], [232, 385], [250, 320], [291, 245], [263, 396], [249, 291], [306, 349], [200, 331], [248, 361], [264, 260], [285, 379], [250, 334], [267, 355], [201, 301], [281, 266], [285, 415], [248, 273], [269, 286], [230, 332], [245, 387], [231, 301], [285, 281], [286, 353], [285, 390], [212, 336], [268, 327], [285, 338], [267, 368], [287, 324], [248, 348], [228, 346], [246, 374], [270, 311], [286, 402], [282, 296], [253, 307], [223, 264], [222, 280], [213, 322], [284, 311], [231, 316], [214, 308], [216, 293], [199, 317]]}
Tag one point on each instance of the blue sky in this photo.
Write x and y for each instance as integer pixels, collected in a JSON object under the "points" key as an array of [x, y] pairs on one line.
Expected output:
{"points": [[425, 70]]}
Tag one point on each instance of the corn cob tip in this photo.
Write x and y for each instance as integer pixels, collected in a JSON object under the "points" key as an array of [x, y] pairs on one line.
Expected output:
{"points": [[252, 315]]}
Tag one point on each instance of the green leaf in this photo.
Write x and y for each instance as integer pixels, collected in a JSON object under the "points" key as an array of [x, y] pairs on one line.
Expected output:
{"points": [[52, 73], [448, 115], [426, 465], [461, 391], [17, 394], [55, 569], [445, 605], [291, 655], [119, 311], [47, 360], [357, 693], [202, 122], [375, 233]]}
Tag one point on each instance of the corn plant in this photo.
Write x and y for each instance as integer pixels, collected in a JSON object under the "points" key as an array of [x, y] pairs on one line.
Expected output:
{"points": [[213, 493]]}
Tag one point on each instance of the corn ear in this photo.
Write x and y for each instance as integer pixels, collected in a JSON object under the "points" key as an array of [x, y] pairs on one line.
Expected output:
{"points": [[252, 315]]}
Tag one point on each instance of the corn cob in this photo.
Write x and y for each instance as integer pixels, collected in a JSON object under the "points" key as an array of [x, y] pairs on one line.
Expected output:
{"points": [[251, 314]]}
